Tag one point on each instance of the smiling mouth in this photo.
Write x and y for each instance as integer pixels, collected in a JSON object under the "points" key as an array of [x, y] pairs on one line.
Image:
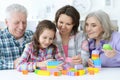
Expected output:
{"points": [[62, 31], [90, 33], [46, 45]]}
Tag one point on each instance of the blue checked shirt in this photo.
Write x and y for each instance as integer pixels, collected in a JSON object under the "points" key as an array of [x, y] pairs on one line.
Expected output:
{"points": [[10, 48]]}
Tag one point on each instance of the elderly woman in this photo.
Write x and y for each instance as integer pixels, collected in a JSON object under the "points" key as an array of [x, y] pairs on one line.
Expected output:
{"points": [[100, 31]]}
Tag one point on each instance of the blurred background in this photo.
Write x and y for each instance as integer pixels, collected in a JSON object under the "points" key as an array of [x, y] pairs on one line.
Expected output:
{"points": [[45, 9]]}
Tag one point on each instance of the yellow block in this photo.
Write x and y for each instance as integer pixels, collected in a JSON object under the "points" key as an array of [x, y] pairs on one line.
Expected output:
{"points": [[94, 58], [96, 70], [90, 68], [43, 73], [49, 67], [81, 72]]}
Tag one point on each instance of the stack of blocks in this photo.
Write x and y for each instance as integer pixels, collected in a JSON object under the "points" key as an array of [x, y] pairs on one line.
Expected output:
{"points": [[52, 66], [95, 58]]}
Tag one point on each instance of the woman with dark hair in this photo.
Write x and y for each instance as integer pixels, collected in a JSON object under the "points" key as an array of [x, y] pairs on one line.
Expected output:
{"points": [[71, 42]]}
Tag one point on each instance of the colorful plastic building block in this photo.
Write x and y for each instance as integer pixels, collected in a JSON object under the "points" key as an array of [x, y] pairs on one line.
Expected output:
{"points": [[81, 72], [78, 67], [53, 63], [67, 66], [107, 47], [77, 73], [92, 70], [70, 73], [24, 72], [42, 72], [64, 72], [96, 70], [52, 66], [95, 58], [57, 73]]}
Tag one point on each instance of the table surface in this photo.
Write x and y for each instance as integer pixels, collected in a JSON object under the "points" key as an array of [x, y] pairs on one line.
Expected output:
{"points": [[104, 74]]}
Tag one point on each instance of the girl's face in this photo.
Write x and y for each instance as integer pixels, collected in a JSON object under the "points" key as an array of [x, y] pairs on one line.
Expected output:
{"points": [[93, 28], [46, 38], [65, 24]]}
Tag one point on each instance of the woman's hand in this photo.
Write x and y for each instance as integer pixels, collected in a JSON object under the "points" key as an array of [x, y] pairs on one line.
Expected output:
{"points": [[60, 66], [90, 63], [77, 60], [110, 53]]}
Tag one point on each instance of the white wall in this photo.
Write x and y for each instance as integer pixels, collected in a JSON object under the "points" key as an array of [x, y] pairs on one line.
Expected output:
{"points": [[45, 9], [113, 10]]}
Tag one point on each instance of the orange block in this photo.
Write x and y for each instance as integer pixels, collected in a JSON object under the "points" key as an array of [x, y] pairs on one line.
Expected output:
{"points": [[91, 72], [95, 55], [56, 73], [77, 74], [24, 72], [64, 72]]}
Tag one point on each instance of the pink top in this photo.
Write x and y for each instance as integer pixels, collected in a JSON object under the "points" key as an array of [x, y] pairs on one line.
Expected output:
{"points": [[65, 48]]}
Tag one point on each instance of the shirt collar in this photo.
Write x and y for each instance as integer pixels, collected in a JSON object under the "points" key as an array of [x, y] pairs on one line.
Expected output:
{"points": [[9, 35]]}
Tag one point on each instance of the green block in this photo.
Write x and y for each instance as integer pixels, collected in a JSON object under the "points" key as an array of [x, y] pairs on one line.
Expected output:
{"points": [[36, 71], [73, 70], [107, 47]]}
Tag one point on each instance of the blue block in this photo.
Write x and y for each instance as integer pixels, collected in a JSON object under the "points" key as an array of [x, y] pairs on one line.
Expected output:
{"points": [[97, 62], [53, 63]]}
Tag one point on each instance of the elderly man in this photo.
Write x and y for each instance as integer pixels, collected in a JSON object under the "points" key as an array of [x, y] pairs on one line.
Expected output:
{"points": [[14, 37]]}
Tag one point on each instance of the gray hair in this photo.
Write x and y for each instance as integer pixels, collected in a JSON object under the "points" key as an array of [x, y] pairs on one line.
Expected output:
{"points": [[105, 22], [15, 8]]}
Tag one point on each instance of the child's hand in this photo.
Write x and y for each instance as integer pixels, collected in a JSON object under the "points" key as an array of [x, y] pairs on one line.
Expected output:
{"points": [[90, 63], [43, 63], [110, 53], [77, 59], [49, 60]]}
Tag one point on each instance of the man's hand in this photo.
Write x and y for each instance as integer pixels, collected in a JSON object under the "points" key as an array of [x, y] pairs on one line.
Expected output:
{"points": [[60, 66], [16, 62]]}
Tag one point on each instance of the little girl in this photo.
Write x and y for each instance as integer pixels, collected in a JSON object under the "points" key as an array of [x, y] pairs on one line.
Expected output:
{"points": [[41, 50]]}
